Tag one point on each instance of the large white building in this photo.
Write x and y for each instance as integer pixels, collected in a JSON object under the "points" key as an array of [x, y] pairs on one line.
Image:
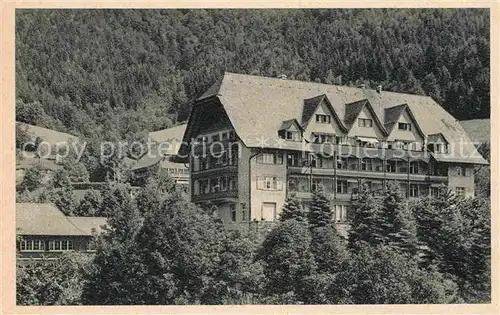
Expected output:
{"points": [[252, 141]]}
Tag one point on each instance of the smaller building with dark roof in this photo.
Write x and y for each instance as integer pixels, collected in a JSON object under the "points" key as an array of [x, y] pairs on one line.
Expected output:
{"points": [[44, 231]]}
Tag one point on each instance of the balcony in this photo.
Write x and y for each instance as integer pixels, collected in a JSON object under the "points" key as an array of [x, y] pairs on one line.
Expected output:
{"points": [[356, 173], [228, 169], [216, 196]]}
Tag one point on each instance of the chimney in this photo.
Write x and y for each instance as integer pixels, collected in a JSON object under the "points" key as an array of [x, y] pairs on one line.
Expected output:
{"points": [[379, 89], [362, 86], [282, 76]]}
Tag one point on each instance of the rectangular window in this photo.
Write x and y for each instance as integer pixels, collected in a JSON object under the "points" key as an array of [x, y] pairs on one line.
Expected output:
{"points": [[341, 162], [339, 139], [391, 166], [223, 183], [267, 158], [404, 126], [437, 148], [32, 245], [204, 187], [363, 122], [60, 245], [268, 211], [413, 167], [322, 138], [316, 184], [434, 191], [293, 159], [232, 183], [232, 210], [413, 190], [215, 138], [243, 213], [366, 165], [323, 119], [460, 191], [269, 183], [341, 186], [316, 161], [270, 158]]}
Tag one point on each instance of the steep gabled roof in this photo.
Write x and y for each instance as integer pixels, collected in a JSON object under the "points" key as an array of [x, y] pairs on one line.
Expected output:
{"points": [[246, 98], [352, 111], [289, 122], [310, 106], [392, 115], [435, 137]]}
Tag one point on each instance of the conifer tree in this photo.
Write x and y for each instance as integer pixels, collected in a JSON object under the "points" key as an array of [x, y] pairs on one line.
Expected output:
{"points": [[292, 209], [365, 225], [398, 226], [320, 213]]}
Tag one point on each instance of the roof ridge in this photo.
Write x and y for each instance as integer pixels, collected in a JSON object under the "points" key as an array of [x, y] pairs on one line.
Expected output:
{"points": [[320, 83]]}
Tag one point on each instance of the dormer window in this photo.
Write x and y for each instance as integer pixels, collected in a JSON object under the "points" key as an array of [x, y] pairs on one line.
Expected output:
{"points": [[404, 126], [290, 135], [323, 119], [290, 130]]}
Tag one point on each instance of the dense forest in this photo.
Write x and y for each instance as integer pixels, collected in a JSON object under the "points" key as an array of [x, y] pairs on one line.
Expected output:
{"points": [[115, 74]]}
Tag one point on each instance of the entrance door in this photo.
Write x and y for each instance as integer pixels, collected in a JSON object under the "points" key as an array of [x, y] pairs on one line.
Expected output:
{"points": [[269, 211]]}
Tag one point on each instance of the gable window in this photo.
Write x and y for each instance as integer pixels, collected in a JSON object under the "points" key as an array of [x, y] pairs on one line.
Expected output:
{"points": [[363, 122], [340, 139], [404, 126], [323, 119], [322, 138]]}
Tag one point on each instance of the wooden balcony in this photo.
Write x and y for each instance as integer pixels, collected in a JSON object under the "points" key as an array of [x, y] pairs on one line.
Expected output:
{"points": [[364, 174], [228, 169], [219, 196]]}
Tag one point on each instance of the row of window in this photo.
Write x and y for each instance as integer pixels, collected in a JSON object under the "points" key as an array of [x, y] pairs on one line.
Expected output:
{"points": [[215, 184], [39, 245], [215, 161], [216, 136], [269, 183], [178, 171]]}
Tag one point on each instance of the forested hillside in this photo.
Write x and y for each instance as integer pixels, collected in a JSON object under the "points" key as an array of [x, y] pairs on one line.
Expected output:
{"points": [[114, 74]]}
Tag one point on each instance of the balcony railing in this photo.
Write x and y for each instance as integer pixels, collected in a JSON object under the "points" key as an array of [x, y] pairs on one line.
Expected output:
{"points": [[215, 195]]}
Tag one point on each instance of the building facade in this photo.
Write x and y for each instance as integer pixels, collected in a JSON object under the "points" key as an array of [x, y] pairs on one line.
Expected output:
{"points": [[252, 141], [161, 154], [43, 231]]}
